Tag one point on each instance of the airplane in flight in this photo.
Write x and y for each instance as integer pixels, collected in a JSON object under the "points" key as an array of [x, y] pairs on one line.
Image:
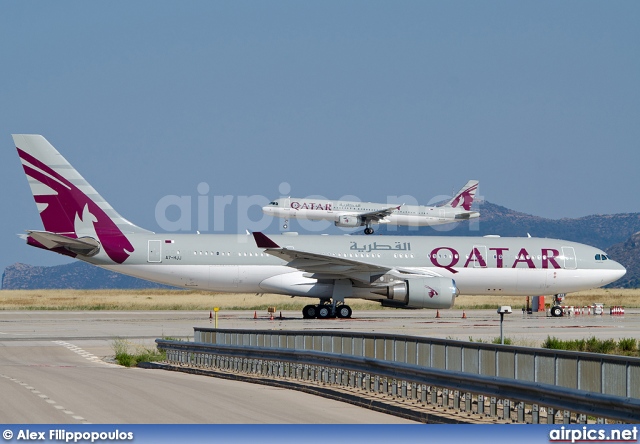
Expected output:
{"points": [[396, 271], [364, 214]]}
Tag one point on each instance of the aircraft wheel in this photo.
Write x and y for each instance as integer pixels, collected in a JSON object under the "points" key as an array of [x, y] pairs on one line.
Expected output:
{"points": [[310, 312], [368, 231], [324, 311], [344, 311], [285, 226], [556, 311]]}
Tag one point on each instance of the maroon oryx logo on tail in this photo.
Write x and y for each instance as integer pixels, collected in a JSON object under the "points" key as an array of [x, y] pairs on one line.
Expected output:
{"points": [[66, 204], [465, 198]]}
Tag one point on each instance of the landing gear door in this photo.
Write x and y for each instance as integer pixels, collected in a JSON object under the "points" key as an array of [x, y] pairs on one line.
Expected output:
{"points": [[155, 251]]}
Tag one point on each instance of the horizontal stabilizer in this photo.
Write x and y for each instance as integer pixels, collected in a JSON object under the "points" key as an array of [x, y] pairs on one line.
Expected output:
{"points": [[465, 216], [86, 246]]}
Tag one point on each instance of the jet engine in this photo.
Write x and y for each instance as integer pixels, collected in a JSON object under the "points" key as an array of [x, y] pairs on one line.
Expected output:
{"points": [[432, 292], [348, 221]]}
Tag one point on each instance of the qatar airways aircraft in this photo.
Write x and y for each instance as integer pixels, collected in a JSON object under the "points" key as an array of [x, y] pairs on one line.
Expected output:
{"points": [[403, 272], [363, 214]]}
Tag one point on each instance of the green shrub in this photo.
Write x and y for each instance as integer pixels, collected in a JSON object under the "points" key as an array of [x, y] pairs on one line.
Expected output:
{"points": [[507, 341], [628, 344], [125, 357], [553, 343], [607, 346], [592, 345]]}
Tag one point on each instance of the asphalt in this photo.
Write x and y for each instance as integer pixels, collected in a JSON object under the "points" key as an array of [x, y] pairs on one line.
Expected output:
{"points": [[57, 367]]}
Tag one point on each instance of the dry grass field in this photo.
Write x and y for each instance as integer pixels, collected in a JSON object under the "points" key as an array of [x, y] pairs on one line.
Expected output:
{"points": [[194, 300]]}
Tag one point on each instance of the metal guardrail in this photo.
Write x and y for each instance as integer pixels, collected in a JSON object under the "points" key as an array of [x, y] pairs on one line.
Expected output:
{"points": [[410, 381], [590, 372]]}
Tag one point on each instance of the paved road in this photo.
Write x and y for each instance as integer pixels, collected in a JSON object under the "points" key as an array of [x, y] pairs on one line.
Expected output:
{"points": [[56, 367]]}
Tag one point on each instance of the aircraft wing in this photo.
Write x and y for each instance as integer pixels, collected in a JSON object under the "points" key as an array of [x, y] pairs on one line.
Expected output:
{"points": [[86, 246], [322, 266], [378, 215]]}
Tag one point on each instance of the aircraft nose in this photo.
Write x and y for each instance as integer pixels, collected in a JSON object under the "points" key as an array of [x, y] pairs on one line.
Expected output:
{"points": [[616, 270], [620, 270]]}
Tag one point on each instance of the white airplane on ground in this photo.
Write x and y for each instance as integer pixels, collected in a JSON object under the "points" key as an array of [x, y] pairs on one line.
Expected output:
{"points": [[397, 271], [363, 214]]}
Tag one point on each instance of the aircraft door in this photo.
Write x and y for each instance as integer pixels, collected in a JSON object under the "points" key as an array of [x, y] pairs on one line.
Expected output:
{"points": [[155, 251], [442, 214], [569, 254], [479, 262]]}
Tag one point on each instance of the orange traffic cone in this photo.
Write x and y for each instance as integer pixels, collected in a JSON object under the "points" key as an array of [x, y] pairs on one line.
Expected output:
{"points": [[437, 313], [271, 316], [464, 315], [255, 315]]}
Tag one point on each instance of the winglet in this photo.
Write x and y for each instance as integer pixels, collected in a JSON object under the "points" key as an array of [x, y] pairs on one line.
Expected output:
{"points": [[262, 241]]}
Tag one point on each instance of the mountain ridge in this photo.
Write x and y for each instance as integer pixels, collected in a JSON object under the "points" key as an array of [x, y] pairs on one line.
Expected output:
{"points": [[598, 230]]}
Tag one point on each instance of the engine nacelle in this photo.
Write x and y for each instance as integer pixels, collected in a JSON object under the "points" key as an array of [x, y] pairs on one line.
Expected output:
{"points": [[348, 221], [434, 292]]}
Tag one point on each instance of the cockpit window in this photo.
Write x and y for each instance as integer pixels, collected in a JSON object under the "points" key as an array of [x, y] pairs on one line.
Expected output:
{"points": [[601, 257], [273, 203]]}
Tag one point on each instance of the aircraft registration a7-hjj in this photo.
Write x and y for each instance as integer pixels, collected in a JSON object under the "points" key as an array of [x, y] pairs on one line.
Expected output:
{"points": [[363, 214], [397, 271]]}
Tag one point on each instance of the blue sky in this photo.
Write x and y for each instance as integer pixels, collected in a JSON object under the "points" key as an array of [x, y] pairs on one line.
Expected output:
{"points": [[539, 100]]}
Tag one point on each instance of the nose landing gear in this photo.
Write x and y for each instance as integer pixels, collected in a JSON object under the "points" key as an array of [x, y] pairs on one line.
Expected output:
{"points": [[556, 310]]}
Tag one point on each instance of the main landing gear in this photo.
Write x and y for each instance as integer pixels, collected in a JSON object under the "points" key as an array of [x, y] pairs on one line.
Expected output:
{"points": [[368, 230], [325, 311]]}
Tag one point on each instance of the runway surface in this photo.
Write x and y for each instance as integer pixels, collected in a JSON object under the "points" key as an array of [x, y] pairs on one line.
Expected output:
{"points": [[57, 367]]}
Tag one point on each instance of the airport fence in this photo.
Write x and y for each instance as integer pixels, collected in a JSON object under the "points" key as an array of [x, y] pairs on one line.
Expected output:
{"points": [[587, 372], [515, 383], [470, 395]]}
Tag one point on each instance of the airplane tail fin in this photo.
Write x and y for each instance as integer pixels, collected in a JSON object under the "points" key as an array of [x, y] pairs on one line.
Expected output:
{"points": [[465, 196], [69, 206]]}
